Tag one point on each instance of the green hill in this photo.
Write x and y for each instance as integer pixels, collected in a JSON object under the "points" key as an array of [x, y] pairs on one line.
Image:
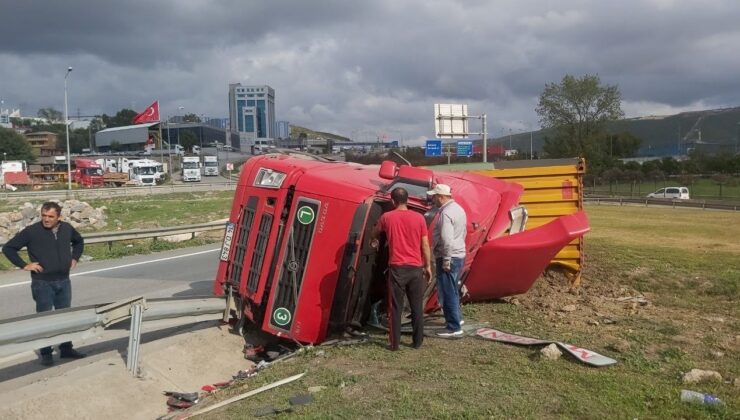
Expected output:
{"points": [[296, 131], [713, 131]]}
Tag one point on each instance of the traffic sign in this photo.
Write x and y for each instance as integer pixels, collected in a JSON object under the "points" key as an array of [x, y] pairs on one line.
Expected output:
{"points": [[465, 148], [433, 148], [229, 166]]}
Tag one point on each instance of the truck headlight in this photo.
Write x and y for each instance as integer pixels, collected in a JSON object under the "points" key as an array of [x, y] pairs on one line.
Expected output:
{"points": [[267, 178]]}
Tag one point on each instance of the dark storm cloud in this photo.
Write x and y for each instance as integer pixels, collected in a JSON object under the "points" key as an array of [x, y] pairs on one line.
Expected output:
{"points": [[369, 67]]}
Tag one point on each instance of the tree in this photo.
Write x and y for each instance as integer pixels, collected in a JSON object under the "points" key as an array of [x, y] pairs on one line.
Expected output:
{"points": [[122, 118], [191, 118], [623, 145], [578, 109], [50, 114], [187, 139], [15, 146]]}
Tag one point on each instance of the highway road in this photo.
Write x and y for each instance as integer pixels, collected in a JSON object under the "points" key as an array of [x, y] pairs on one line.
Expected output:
{"points": [[182, 272]]}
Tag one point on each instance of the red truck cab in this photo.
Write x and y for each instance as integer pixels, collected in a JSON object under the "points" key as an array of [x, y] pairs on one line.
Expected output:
{"points": [[88, 173], [296, 257]]}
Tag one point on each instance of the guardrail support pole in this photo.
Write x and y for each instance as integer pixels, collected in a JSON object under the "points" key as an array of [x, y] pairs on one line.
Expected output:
{"points": [[134, 339], [704, 205]]}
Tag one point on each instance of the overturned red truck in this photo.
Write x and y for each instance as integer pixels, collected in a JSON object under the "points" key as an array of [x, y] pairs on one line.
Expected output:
{"points": [[296, 259]]}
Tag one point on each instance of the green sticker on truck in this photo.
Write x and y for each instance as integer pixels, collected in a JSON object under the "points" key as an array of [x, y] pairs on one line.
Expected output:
{"points": [[281, 316]]}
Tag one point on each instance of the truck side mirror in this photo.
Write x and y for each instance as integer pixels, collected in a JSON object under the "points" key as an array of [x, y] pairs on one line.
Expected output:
{"points": [[388, 169]]}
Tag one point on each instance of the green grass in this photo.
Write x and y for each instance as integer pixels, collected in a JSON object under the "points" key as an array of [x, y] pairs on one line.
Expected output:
{"points": [[160, 210], [686, 263], [689, 277], [702, 188]]}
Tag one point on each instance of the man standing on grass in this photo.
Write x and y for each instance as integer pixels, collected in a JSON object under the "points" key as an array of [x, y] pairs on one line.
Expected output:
{"points": [[410, 261], [54, 247], [449, 252]]}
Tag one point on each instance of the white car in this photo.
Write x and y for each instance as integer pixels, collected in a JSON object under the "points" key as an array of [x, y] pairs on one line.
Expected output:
{"points": [[680, 193]]}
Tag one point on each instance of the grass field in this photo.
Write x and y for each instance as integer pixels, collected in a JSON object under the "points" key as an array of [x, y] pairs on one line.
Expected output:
{"points": [[685, 263], [162, 210]]}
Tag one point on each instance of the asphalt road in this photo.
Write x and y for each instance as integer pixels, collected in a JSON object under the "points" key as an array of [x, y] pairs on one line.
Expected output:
{"points": [[182, 272]]}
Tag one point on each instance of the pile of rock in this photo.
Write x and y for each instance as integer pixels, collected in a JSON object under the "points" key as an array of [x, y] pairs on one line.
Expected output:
{"points": [[77, 213]]}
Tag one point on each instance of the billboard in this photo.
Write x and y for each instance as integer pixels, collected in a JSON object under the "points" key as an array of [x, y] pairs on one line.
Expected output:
{"points": [[433, 148], [451, 121]]}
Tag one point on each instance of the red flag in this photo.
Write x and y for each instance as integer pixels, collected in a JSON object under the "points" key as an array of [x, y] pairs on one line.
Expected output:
{"points": [[151, 114]]}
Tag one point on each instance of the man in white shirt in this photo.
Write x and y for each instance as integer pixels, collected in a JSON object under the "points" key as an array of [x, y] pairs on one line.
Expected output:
{"points": [[449, 252]]}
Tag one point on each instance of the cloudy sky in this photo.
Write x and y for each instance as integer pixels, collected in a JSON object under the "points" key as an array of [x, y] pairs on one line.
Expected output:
{"points": [[367, 68]]}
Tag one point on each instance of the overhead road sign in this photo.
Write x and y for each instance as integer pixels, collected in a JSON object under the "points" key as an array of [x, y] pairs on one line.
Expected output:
{"points": [[464, 148], [433, 148]]}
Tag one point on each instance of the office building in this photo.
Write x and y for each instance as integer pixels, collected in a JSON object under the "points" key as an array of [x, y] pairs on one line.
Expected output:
{"points": [[282, 130], [252, 112]]}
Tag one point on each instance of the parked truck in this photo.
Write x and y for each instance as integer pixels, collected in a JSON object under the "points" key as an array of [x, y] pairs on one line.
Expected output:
{"points": [[137, 171], [88, 173], [190, 168], [296, 259], [210, 165]]}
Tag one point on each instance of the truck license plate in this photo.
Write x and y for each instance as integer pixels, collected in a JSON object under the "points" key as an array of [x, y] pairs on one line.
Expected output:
{"points": [[227, 241]]}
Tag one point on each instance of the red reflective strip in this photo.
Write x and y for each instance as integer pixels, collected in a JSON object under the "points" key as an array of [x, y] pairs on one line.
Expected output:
{"points": [[567, 190]]}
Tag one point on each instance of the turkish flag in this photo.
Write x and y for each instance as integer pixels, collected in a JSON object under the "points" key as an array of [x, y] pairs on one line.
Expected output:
{"points": [[151, 114]]}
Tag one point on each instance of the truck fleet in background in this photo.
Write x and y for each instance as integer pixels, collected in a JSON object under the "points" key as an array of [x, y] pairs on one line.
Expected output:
{"points": [[108, 171]]}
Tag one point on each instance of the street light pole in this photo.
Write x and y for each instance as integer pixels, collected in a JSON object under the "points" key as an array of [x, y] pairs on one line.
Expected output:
{"points": [[66, 127]]}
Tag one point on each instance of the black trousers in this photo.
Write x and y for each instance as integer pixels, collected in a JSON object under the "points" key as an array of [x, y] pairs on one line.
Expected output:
{"points": [[409, 281]]}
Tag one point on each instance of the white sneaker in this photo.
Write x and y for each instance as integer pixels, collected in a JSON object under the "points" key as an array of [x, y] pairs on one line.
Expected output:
{"points": [[450, 334]]}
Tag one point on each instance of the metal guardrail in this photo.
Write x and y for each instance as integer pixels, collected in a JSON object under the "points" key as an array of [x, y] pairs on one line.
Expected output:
{"points": [[43, 329], [126, 235], [115, 192], [663, 202]]}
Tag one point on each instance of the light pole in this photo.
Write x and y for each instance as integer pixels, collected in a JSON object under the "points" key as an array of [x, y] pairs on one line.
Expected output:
{"points": [[66, 127]]}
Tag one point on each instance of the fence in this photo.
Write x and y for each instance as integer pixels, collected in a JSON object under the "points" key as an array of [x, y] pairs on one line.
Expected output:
{"points": [[125, 235], [662, 202]]}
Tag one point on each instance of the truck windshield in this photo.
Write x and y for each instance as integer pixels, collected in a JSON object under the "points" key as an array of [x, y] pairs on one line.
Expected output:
{"points": [[190, 165], [213, 164], [415, 191], [146, 170], [92, 171]]}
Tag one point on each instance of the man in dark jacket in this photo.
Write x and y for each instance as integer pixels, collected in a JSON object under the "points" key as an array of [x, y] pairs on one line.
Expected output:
{"points": [[54, 247]]}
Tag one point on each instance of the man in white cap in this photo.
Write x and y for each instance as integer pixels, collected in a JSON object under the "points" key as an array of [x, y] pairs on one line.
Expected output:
{"points": [[449, 252]]}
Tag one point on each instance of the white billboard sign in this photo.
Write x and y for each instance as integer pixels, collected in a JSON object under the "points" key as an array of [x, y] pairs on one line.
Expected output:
{"points": [[450, 121]]}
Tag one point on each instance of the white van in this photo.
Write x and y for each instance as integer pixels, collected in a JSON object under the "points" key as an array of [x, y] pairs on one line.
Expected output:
{"points": [[680, 193]]}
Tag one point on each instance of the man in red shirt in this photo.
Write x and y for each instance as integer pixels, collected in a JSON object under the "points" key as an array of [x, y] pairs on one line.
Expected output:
{"points": [[410, 263]]}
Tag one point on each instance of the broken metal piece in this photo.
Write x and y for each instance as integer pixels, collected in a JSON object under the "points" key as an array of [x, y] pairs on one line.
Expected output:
{"points": [[583, 355], [185, 396], [249, 394]]}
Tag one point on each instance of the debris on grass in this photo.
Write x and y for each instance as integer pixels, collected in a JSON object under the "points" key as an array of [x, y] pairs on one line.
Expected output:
{"points": [[551, 352], [695, 376]]}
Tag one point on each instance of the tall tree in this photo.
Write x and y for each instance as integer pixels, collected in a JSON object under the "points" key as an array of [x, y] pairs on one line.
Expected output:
{"points": [[50, 114], [577, 109], [14, 146]]}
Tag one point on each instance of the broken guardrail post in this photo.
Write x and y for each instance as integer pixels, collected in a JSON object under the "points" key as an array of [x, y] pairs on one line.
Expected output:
{"points": [[134, 338]]}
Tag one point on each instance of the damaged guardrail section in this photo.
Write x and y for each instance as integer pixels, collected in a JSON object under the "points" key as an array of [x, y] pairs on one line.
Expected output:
{"points": [[50, 328]]}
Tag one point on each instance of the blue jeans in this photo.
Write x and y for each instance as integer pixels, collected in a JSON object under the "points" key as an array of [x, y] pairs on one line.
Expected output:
{"points": [[448, 294], [56, 294]]}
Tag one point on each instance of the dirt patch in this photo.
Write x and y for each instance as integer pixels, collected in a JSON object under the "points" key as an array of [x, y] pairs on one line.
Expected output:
{"points": [[183, 363]]}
